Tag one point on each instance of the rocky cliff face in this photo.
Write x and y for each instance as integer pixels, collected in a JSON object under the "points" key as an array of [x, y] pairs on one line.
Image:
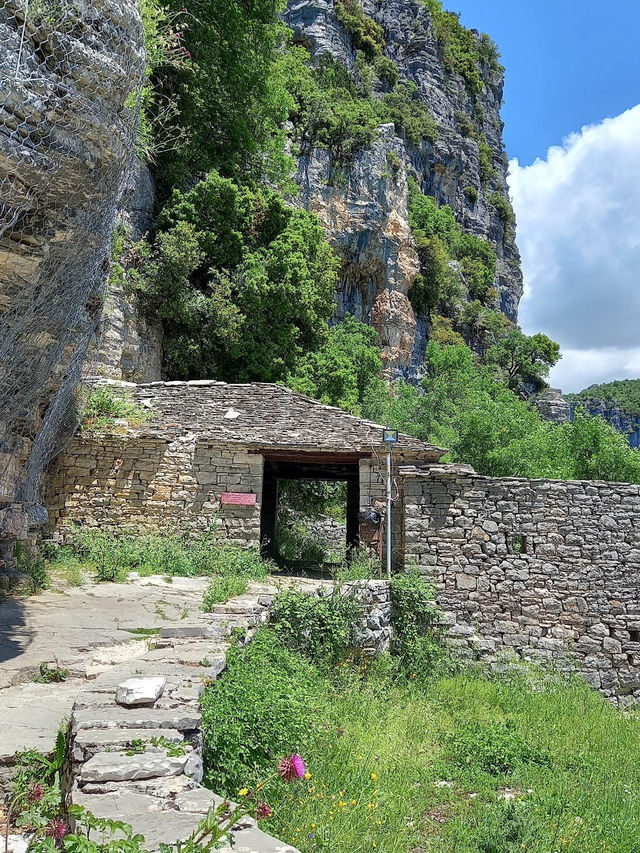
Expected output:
{"points": [[553, 406], [70, 72], [130, 345], [620, 420], [365, 214]]}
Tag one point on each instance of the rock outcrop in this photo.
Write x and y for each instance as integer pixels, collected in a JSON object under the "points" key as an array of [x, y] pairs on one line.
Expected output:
{"points": [[70, 71], [365, 213], [130, 346]]}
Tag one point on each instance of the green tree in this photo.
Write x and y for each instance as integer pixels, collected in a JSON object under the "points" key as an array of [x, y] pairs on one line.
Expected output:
{"points": [[523, 359], [342, 371], [228, 102], [242, 282]]}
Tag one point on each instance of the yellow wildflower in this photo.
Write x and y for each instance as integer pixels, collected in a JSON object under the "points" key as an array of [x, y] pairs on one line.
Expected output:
{"points": [[243, 792], [374, 776]]}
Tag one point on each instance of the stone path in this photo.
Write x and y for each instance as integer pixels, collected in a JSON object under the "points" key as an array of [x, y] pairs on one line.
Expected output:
{"points": [[102, 635]]}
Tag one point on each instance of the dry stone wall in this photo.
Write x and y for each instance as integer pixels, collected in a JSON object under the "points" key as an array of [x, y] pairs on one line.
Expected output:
{"points": [[547, 569], [149, 483]]}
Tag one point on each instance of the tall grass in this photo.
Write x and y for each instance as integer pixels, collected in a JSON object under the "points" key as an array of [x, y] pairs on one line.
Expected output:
{"points": [[112, 556], [455, 764]]}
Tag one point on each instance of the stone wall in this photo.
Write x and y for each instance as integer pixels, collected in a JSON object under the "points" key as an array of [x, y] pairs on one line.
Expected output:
{"points": [[151, 482], [548, 569], [147, 483], [373, 633]]}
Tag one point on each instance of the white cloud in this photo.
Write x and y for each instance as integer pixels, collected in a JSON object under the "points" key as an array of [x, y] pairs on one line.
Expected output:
{"points": [[579, 233]]}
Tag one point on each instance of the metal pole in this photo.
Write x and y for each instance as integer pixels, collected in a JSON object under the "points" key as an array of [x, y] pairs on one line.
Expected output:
{"points": [[388, 510]]}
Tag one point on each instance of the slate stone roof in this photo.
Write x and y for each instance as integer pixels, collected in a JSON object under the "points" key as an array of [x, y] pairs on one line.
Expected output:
{"points": [[259, 415]]}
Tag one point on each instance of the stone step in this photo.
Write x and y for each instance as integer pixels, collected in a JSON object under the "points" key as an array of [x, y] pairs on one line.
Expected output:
{"points": [[120, 767], [194, 632], [89, 741], [182, 719]]}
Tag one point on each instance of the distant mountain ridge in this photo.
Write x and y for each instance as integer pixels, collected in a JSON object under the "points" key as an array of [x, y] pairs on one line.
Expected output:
{"points": [[624, 392]]}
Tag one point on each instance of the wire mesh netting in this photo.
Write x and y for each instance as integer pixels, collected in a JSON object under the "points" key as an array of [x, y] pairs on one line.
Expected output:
{"points": [[71, 73]]}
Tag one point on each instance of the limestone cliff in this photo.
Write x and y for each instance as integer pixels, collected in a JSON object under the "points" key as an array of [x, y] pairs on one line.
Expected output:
{"points": [[70, 72], [365, 213]]}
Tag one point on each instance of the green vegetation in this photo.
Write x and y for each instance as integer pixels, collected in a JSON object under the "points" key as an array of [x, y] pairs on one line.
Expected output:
{"points": [[439, 240], [36, 797], [366, 34], [464, 406], [488, 172], [443, 759], [33, 567], [242, 282], [110, 557], [251, 716], [624, 392], [341, 372], [103, 407], [523, 359], [50, 675], [471, 193], [319, 628], [228, 102], [504, 208], [222, 589], [463, 52]]}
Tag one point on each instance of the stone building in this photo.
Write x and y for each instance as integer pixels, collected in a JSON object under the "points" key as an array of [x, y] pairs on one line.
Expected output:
{"points": [[214, 453], [548, 570]]}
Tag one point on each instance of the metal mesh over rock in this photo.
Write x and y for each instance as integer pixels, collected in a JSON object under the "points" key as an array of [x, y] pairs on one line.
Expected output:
{"points": [[71, 73]]}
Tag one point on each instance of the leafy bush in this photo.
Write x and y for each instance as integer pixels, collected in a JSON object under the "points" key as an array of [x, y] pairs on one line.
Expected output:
{"points": [[463, 52], [494, 747], [386, 70], [265, 706], [464, 407], [404, 107], [466, 126], [471, 193], [48, 675], [366, 34], [439, 239], [34, 567], [415, 642], [297, 543], [222, 589], [103, 407], [320, 628], [503, 206], [113, 556], [228, 98], [242, 282], [340, 372], [488, 172]]}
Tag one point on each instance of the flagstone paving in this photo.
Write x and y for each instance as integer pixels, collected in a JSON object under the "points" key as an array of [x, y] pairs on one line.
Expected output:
{"points": [[103, 635]]}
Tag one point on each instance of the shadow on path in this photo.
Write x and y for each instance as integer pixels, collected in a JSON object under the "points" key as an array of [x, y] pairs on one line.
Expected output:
{"points": [[14, 635]]}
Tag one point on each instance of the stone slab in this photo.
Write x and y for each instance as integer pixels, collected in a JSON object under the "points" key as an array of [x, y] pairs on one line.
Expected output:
{"points": [[121, 767], [140, 691], [182, 719]]}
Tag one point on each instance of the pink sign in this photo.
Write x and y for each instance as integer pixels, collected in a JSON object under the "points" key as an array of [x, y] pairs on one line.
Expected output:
{"points": [[238, 498]]}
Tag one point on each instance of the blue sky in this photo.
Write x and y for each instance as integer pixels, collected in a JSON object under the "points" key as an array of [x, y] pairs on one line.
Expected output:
{"points": [[572, 132], [569, 63]]}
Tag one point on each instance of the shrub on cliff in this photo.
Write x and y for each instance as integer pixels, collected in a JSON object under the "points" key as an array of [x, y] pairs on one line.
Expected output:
{"points": [[342, 370], [242, 282]]}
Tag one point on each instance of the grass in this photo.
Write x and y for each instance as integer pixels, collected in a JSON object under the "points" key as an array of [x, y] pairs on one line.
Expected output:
{"points": [[104, 408], [111, 557], [460, 762], [222, 589]]}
